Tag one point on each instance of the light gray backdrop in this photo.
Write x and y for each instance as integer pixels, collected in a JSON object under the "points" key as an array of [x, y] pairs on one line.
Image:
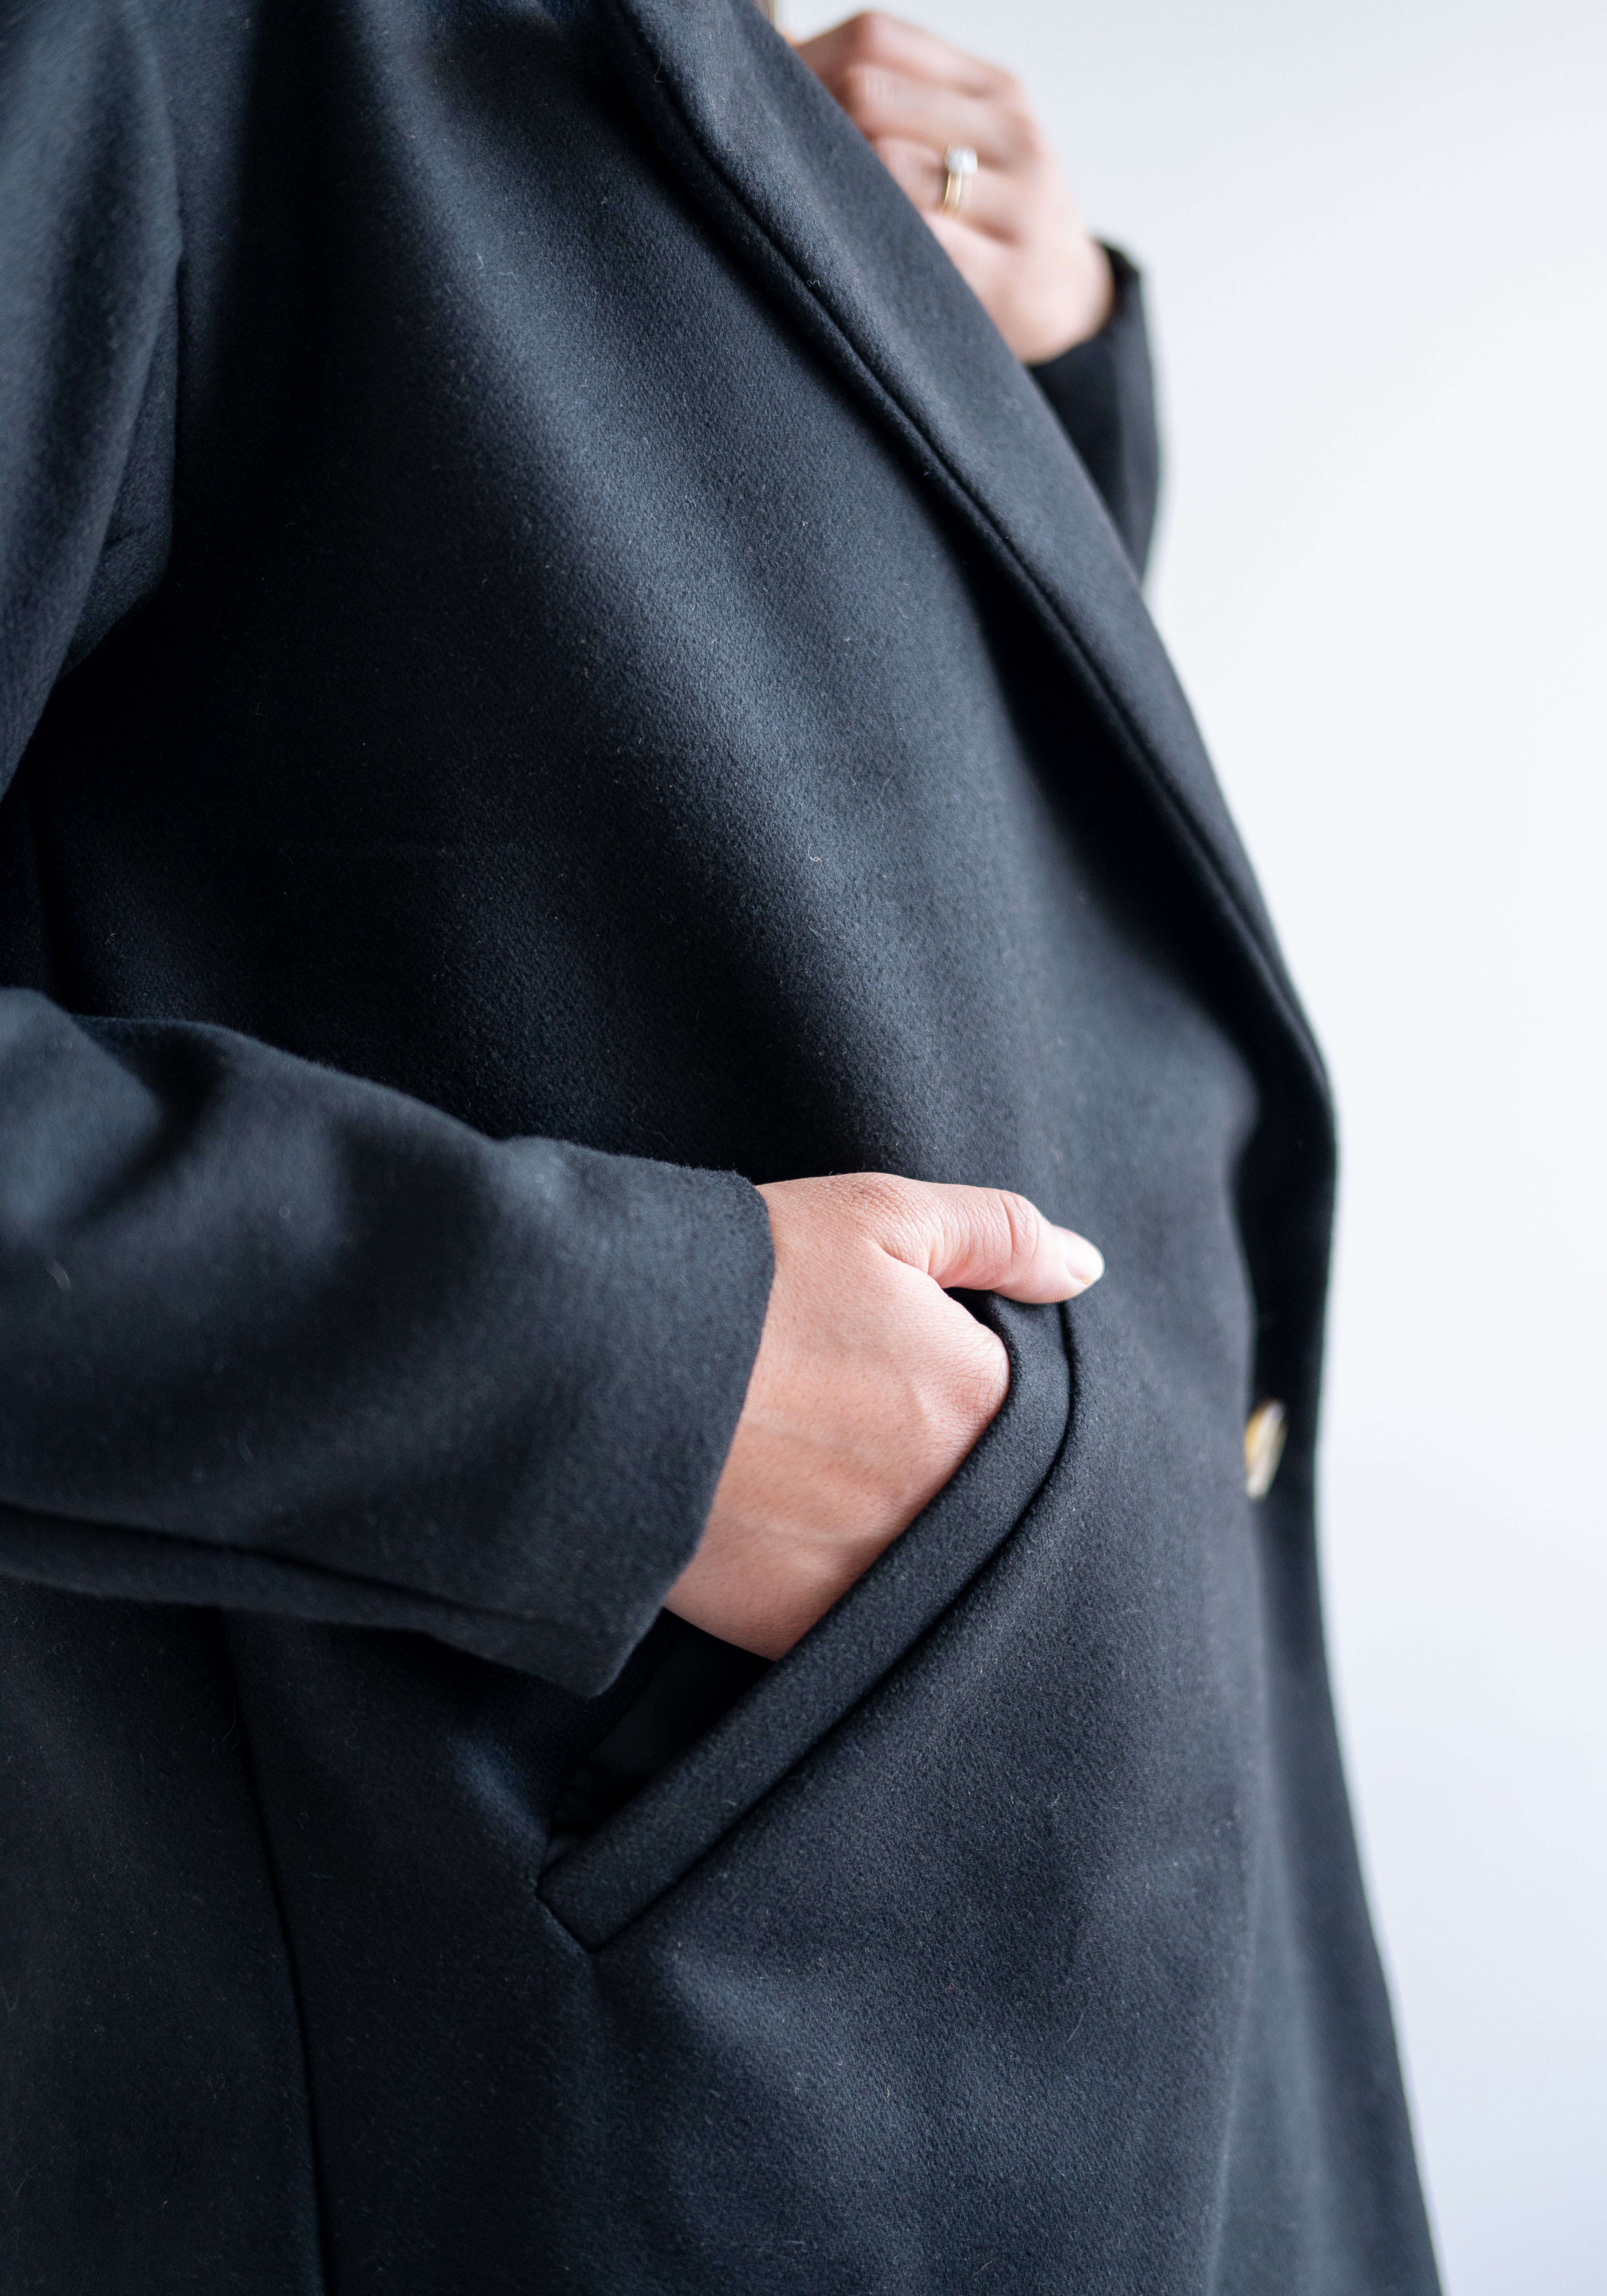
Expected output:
{"points": [[1373, 238]]}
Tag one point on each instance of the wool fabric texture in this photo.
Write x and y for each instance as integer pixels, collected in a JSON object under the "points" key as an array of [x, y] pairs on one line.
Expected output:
{"points": [[554, 667]]}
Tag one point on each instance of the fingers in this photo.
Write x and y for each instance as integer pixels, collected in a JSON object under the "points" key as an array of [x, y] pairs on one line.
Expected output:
{"points": [[990, 204], [986, 1240], [909, 93], [869, 1389], [912, 97], [1013, 232], [876, 42], [884, 107]]}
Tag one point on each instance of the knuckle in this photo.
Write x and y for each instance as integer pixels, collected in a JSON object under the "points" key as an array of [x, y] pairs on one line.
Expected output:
{"points": [[1024, 1222], [869, 33], [1026, 139], [883, 1202], [981, 1382], [857, 85], [866, 86]]}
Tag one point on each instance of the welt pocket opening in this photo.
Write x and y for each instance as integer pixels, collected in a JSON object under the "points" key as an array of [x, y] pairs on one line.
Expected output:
{"points": [[602, 1882], [693, 1679]]}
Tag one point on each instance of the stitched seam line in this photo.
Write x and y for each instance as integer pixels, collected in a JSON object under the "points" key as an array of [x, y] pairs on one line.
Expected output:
{"points": [[900, 1658], [293, 1976], [1112, 706]]}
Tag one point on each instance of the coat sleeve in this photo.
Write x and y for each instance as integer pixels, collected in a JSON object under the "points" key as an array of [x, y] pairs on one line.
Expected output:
{"points": [[1103, 392], [273, 1338]]}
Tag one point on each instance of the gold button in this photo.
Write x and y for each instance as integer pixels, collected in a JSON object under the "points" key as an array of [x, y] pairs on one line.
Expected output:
{"points": [[1264, 1435]]}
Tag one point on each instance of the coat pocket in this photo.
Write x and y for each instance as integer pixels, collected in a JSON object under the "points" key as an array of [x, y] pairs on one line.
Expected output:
{"points": [[606, 1881]]}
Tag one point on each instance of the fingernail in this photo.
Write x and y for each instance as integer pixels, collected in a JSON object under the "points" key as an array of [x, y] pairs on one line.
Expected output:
{"points": [[1085, 1264]]}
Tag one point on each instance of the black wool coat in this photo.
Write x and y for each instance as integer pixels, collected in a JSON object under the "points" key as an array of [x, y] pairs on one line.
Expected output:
{"points": [[554, 666]]}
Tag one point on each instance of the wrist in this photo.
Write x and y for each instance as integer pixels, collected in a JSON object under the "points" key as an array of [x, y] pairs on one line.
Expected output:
{"points": [[1084, 306]]}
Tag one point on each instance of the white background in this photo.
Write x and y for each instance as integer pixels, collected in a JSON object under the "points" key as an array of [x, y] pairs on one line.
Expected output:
{"points": [[1374, 242]]}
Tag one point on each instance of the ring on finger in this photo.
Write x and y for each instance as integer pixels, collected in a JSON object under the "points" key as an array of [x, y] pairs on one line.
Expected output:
{"points": [[959, 166]]}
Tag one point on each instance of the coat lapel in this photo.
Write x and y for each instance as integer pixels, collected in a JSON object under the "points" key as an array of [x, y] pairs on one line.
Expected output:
{"points": [[786, 176]]}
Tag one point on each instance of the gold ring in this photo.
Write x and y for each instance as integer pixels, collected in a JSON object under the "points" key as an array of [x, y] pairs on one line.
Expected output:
{"points": [[959, 166]]}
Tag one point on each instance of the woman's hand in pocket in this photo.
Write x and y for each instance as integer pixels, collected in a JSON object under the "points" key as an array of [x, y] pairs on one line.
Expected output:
{"points": [[870, 1386]]}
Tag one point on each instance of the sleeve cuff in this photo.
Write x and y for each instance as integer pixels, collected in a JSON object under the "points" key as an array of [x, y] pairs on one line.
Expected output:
{"points": [[1103, 392]]}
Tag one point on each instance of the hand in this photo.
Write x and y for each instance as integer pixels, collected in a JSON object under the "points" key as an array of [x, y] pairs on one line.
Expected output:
{"points": [[1016, 239], [870, 1386]]}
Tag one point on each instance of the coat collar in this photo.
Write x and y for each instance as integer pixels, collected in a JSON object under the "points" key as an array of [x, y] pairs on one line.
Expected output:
{"points": [[790, 182]]}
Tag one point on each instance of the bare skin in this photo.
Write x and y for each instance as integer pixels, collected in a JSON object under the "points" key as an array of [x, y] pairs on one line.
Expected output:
{"points": [[870, 1386], [1017, 238]]}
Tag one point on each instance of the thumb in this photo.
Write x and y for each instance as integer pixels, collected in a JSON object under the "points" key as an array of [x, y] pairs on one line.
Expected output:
{"points": [[992, 1240]]}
